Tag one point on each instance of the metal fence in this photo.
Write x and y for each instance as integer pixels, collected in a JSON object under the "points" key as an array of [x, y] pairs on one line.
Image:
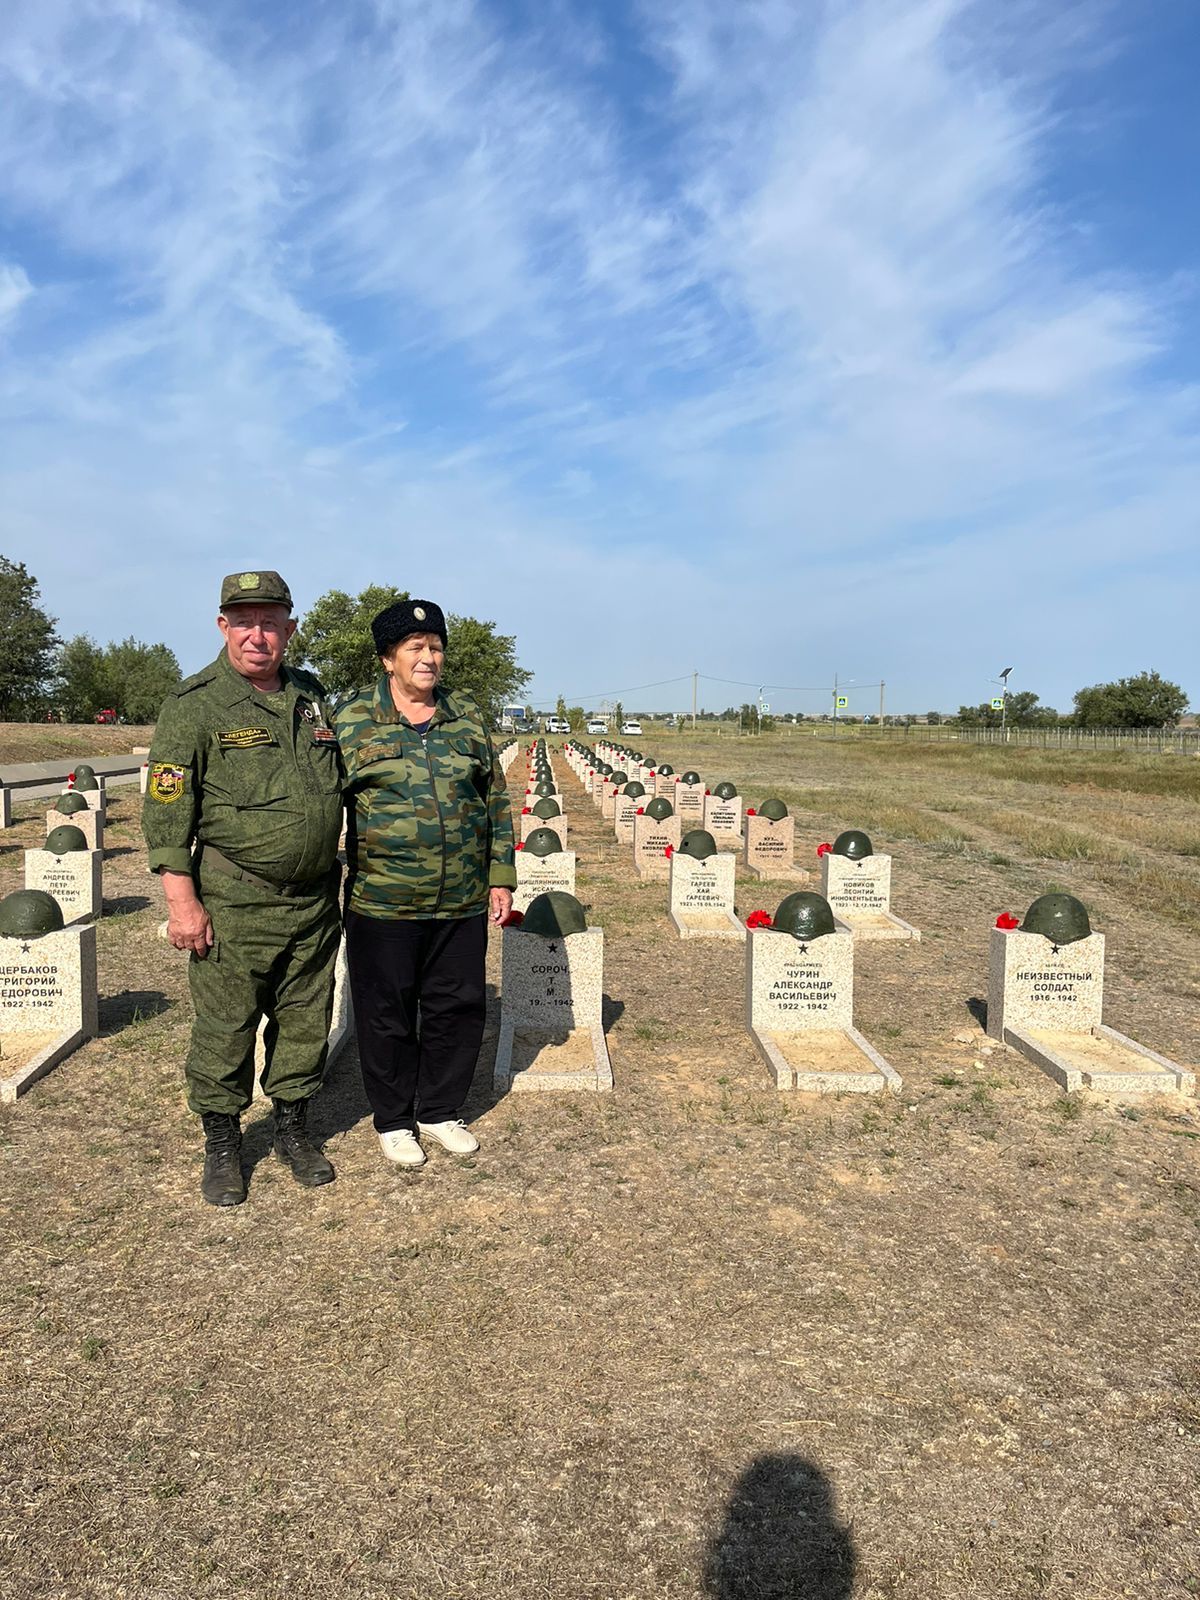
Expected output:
{"points": [[1148, 741]]}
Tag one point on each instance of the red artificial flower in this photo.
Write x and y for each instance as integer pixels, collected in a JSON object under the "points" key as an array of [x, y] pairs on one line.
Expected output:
{"points": [[641, 811], [1007, 920], [750, 811], [526, 811], [708, 791], [520, 846], [669, 850], [513, 919], [759, 919], [824, 849]]}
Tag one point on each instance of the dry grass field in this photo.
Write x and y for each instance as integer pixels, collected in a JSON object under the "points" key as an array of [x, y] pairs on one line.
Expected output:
{"points": [[694, 1338]]}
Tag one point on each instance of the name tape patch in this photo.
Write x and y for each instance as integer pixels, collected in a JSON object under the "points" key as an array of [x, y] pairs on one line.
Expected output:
{"points": [[245, 738], [166, 782]]}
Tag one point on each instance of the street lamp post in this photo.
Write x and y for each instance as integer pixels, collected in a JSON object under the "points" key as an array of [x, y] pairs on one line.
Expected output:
{"points": [[1004, 706]]}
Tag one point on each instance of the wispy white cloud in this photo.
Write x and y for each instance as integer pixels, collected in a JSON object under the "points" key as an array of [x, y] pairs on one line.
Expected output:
{"points": [[763, 313]]}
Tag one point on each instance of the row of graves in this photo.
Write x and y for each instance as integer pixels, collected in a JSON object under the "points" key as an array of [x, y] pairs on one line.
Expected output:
{"points": [[1046, 975], [1046, 978]]}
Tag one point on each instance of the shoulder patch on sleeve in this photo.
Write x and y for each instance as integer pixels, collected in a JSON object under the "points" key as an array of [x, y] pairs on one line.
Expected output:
{"points": [[166, 782]]}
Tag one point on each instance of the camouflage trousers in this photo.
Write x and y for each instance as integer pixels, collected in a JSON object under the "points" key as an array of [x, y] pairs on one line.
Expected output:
{"points": [[271, 956]]}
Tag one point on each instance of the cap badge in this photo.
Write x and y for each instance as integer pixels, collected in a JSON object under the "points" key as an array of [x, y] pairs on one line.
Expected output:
{"points": [[419, 613], [247, 580]]}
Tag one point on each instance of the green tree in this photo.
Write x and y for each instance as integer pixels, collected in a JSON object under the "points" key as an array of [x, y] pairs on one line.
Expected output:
{"points": [[933, 718], [560, 709], [618, 717], [576, 717], [1144, 701], [1024, 710], [28, 643], [334, 636], [81, 686], [131, 677], [334, 639]]}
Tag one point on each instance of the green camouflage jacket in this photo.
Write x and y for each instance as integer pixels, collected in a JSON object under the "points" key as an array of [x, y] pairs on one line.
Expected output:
{"points": [[430, 828], [255, 776]]}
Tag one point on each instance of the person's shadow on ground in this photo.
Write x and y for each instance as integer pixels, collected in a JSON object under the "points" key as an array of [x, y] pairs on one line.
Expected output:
{"points": [[780, 1539]]}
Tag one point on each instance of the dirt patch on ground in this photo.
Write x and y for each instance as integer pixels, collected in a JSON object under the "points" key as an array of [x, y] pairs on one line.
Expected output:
{"points": [[695, 1337]]}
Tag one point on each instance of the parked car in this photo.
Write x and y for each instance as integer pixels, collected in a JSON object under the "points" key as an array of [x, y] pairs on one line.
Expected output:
{"points": [[597, 725], [557, 725], [630, 727]]}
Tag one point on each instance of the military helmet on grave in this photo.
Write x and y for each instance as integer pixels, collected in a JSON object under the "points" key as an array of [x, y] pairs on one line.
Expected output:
{"points": [[725, 791], [634, 789], [618, 778], [660, 808], [29, 913], [1060, 917], [85, 779], [554, 915], [547, 808], [774, 810], [690, 777], [543, 842], [805, 915], [666, 770], [71, 802], [84, 770], [544, 787], [698, 843], [853, 844], [67, 837]]}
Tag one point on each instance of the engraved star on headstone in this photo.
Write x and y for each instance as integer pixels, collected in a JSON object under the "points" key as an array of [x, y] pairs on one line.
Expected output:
{"points": [[552, 948], [24, 949], [1054, 949], [803, 949]]}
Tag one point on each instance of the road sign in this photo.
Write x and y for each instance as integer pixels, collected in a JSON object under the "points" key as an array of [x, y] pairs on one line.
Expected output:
{"points": [[997, 702], [842, 702], [763, 707]]}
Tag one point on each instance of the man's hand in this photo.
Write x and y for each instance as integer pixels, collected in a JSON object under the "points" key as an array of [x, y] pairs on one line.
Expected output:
{"points": [[501, 903], [189, 926]]}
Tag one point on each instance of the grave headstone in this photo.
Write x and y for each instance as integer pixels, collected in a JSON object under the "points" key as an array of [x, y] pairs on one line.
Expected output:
{"points": [[551, 1001], [653, 835], [700, 900], [91, 823], [68, 870], [1046, 997], [689, 799], [723, 816], [559, 823], [858, 885], [540, 870], [800, 1004], [5, 808], [48, 1003], [625, 808], [768, 844]]}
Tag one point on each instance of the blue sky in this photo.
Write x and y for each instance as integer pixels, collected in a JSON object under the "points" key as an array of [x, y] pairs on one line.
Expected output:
{"points": [[768, 339]]}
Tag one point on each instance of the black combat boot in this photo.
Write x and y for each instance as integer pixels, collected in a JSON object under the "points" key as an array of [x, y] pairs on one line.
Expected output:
{"points": [[292, 1145], [222, 1184]]}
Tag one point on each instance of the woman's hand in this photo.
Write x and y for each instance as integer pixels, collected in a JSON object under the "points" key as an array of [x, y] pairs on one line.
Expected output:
{"points": [[501, 904]]}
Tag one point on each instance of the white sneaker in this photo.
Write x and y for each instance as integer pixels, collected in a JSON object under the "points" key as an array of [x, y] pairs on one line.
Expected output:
{"points": [[400, 1146], [453, 1136]]}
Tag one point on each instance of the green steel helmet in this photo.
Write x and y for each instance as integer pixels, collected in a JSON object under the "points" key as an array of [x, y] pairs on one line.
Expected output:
{"points": [[84, 770], [666, 770], [554, 915], [543, 842], [698, 844], [853, 844], [547, 808], [690, 777], [660, 808], [634, 789], [71, 802], [85, 780], [604, 769], [725, 791], [804, 915], [67, 837], [544, 787], [1060, 917], [618, 778], [29, 913], [774, 810], [639, 758]]}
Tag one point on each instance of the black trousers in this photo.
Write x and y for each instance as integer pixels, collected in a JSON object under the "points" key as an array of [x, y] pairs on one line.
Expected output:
{"points": [[401, 971]]}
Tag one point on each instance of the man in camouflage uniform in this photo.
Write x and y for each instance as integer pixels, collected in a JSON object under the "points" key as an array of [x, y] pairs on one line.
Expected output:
{"points": [[430, 853], [241, 818]]}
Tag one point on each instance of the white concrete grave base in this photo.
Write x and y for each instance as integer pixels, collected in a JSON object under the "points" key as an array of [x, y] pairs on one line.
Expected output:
{"points": [[799, 1011], [5, 808], [74, 879], [540, 874], [48, 1004], [650, 841], [558, 825], [859, 895], [1046, 1002], [551, 1017], [700, 902], [341, 1023], [723, 819]]}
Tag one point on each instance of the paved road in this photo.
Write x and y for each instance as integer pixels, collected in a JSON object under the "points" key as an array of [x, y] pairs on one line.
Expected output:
{"points": [[35, 780]]}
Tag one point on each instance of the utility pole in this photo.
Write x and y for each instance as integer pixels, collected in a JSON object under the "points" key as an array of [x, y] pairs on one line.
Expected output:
{"points": [[882, 686], [835, 701], [695, 682]]}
